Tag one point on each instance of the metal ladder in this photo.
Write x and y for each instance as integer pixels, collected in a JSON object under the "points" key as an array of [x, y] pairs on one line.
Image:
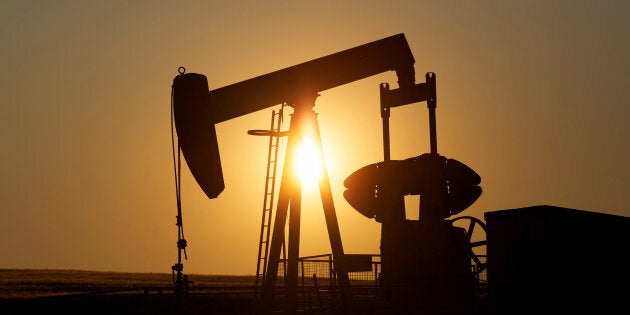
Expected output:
{"points": [[270, 184]]}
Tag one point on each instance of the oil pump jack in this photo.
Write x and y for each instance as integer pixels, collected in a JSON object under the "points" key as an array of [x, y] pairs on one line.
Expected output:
{"points": [[372, 190]]}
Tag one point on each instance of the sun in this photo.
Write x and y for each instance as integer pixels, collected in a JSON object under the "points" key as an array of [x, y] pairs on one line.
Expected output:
{"points": [[308, 164]]}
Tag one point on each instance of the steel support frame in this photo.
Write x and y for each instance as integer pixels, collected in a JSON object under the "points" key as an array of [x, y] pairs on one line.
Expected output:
{"points": [[303, 122]]}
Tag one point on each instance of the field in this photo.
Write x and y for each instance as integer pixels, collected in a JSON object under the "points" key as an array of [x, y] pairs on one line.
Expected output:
{"points": [[66, 292], [19, 284], [25, 291]]}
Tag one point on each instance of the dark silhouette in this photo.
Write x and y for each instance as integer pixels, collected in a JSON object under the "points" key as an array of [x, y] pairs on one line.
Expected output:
{"points": [[560, 260], [197, 109], [426, 263], [426, 260]]}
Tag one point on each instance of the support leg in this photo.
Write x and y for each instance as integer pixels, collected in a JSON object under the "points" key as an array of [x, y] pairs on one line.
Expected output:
{"points": [[294, 248], [288, 191], [334, 234], [290, 195]]}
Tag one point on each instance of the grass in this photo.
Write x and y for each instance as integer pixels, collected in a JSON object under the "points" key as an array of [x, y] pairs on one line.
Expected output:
{"points": [[17, 284]]}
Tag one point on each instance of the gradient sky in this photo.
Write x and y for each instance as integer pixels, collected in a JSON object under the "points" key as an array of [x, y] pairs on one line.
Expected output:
{"points": [[533, 95]]}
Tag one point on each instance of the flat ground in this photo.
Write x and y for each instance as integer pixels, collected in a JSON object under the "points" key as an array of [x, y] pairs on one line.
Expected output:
{"points": [[25, 291], [88, 292], [19, 284]]}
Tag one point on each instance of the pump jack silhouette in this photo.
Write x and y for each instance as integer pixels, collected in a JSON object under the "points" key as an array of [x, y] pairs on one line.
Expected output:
{"points": [[197, 109]]}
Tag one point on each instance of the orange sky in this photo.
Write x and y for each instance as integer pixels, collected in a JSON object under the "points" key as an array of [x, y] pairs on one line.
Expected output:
{"points": [[531, 94]]}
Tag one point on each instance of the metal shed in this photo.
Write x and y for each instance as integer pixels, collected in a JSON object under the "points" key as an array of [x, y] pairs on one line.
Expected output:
{"points": [[553, 259]]}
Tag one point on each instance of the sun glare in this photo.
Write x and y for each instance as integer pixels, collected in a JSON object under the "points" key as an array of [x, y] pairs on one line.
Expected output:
{"points": [[308, 165]]}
